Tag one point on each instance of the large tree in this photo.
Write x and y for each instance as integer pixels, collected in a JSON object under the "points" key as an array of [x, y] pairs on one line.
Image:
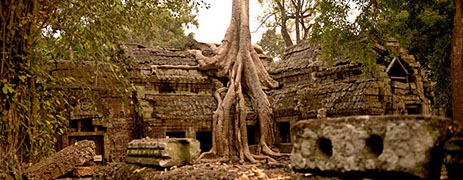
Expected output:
{"points": [[457, 66], [292, 17], [34, 32], [272, 43], [237, 61]]}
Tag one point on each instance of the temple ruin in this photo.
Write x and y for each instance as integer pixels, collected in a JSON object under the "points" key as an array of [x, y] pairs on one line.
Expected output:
{"points": [[180, 103]]}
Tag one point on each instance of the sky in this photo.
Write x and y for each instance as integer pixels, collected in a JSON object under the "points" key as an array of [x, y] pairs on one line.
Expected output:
{"points": [[213, 22]]}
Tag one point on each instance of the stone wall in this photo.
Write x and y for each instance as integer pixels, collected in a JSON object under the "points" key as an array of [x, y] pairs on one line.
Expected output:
{"points": [[313, 89], [179, 102], [108, 120]]}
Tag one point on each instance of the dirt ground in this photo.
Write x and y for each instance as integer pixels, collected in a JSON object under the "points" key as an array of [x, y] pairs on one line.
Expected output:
{"points": [[204, 171], [220, 171]]}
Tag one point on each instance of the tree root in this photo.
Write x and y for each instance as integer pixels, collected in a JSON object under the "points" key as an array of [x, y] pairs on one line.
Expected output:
{"points": [[237, 60]]}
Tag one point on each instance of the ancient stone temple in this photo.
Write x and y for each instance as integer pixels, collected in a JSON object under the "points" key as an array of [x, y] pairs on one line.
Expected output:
{"points": [[180, 103], [312, 89], [174, 102]]}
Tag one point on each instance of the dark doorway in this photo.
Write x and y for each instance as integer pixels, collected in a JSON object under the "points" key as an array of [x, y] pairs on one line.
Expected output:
{"points": [[165, 87], [253, 136], [284, 134], [413, 108], [205, 138]]}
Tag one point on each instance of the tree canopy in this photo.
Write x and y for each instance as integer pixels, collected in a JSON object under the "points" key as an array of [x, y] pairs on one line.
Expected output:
{"points": [[292, 17], [272, 43]]}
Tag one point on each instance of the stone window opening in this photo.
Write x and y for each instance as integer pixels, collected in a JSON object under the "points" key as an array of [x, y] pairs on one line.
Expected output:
{"points": [[413, 108], [85, 125], [175, 134], [397, 71], [165, 87], [84, 129]]}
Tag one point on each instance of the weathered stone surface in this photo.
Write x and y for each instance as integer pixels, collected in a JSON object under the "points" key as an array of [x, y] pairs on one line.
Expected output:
{"points": [[163, 152], [68, 178], [400, 144], [310, 84], [83, 171], [62, 162]]}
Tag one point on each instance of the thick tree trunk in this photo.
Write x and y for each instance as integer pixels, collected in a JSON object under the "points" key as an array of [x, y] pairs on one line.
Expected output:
{"points": [[457, 66], [283, 20], [239, 62]]}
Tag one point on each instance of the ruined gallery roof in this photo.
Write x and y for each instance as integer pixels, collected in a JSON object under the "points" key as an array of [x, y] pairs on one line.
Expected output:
{"points": [[149, 56], [299, 56]]}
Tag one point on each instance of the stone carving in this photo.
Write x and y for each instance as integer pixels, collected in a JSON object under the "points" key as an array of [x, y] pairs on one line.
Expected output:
{"points": [[406, 144], [84, 109], [163, 152], [62, 162]]}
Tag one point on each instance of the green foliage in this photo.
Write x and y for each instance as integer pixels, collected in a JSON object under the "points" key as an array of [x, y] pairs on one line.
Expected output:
{"points": [[85, 36], [168, 28], [272, 43], [292, 17], [423, 28]]}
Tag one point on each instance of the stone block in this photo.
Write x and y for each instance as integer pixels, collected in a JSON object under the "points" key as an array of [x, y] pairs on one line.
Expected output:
{"points": [[68, 178], [408, 145], [400, 85], [83, 171], [163, 152], [62, 162]]}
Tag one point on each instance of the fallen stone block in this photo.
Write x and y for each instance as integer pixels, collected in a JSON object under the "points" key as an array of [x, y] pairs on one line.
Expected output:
{"points": [[86, 178], [83, 171], [62, 162], [408, 145], [164, 152]]}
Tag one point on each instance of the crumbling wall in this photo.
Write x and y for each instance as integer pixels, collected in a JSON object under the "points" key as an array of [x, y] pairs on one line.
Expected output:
{"points": [[176, 102], [103, 117], [313, 89]]}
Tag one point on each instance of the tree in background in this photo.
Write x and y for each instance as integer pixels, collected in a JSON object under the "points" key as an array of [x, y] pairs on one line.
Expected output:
{"points": [[457, 67], [423, 27], [169, 29], [290, 16], [34, 32], [273, 43]]}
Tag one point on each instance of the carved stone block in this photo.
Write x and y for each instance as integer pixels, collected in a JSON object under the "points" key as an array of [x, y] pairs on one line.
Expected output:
{"points": [[408, 145], [163, 152], [62, 162]]}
